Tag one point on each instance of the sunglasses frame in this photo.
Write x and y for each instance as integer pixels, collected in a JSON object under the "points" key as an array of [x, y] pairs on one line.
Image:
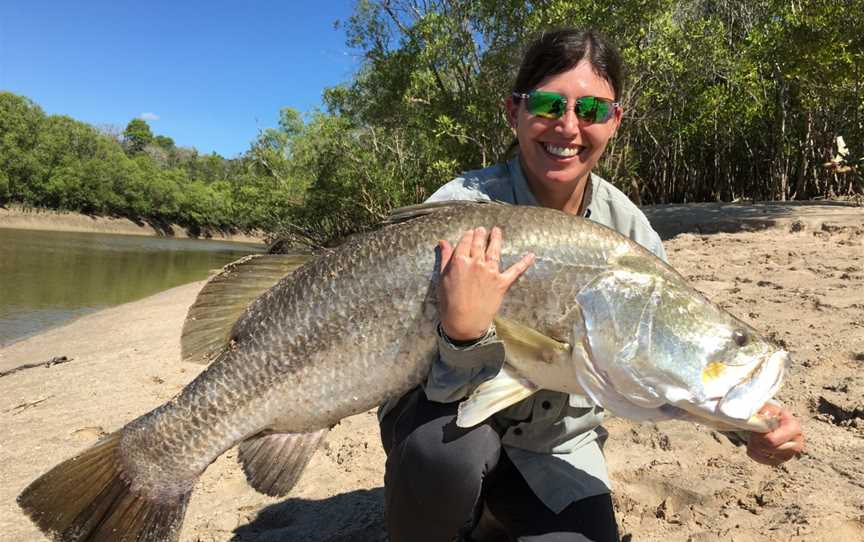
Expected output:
{"points": [[529, 95]]}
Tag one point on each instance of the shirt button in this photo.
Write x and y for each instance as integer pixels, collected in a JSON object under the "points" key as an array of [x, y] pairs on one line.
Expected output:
{"points": [[517, 431], [546, 405]]}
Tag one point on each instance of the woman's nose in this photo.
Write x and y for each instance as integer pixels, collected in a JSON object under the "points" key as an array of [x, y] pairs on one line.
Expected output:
{"points": [[568, 124]]}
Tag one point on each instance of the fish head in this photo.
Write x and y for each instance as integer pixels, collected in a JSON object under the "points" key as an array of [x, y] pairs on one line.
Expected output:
{"points": [[726, 370], [667, 349]]}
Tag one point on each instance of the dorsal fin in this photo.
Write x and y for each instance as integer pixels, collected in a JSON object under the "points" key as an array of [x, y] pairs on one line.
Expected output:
{"points": [[224, 298], [410, 212]]}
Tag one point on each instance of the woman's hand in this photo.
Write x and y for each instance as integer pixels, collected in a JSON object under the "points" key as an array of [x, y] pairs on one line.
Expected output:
{"points": [[781, 444], [472, 287]]}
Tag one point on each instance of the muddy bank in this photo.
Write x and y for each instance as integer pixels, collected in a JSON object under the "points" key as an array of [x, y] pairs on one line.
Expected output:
{"points": [[16, 217]]}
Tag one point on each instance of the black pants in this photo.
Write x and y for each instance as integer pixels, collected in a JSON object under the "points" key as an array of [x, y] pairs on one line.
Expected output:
{"points": [[438, 477]]}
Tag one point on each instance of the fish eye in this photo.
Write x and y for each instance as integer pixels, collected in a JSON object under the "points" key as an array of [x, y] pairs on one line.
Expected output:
{"points": [[739, 337]]}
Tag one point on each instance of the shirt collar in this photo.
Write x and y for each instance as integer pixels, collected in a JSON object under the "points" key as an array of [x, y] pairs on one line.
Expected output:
{"points": [[522, 194]]}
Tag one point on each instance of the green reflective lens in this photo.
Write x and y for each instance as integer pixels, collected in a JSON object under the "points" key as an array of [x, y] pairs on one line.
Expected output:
{"points": [[593, 109], [546, 104], [552, 105]]}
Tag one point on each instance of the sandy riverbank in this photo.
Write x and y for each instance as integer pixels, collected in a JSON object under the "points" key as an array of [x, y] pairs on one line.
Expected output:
{"points": [[800, 279], [16, 217]]}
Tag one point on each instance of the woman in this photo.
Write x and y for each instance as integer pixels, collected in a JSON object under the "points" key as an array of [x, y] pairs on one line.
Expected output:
{"points": [[538, 466]]}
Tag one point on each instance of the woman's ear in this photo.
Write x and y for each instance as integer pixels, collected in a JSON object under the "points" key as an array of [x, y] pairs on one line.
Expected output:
{"points": [[616, 118], [512, 109]]}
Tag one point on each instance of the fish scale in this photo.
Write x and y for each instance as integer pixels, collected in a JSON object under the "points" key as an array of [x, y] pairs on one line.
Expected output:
{"points": [[355, 327], [355, 272]]}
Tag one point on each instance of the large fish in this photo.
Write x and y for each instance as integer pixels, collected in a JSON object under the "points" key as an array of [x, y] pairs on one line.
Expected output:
{"points": [[596, 314]]}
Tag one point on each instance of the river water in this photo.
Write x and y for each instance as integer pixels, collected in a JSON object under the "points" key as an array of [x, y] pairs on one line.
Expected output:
{"points": [[49, 278]]}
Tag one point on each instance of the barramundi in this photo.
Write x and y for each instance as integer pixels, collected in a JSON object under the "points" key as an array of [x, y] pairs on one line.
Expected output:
{"points": [[596, 314]]}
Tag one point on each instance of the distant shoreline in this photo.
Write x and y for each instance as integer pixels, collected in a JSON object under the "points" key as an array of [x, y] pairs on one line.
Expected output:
{"points": [[19, 218]]}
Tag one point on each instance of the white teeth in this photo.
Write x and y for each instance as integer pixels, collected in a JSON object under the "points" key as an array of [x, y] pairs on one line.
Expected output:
{"points": [[562, 151]]}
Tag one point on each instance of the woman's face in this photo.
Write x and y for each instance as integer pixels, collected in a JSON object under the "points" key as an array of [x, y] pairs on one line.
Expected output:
{"points": [[557, 154]]}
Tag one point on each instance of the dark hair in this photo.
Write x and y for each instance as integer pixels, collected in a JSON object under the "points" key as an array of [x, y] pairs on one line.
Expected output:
{"points": [[557, 51]]}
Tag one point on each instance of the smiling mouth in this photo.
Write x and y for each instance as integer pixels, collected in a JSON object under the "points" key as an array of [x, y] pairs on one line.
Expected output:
{"points": [[562, 152]]}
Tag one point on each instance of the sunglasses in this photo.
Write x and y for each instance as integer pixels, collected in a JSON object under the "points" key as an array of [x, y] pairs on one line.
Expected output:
{"points": [[552, 105]]}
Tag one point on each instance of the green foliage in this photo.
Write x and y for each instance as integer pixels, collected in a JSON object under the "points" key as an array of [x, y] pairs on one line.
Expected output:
{"points": [[20, 123], [5, 192], [137, 135], [724, 100], [57, 162], [163, 142]]}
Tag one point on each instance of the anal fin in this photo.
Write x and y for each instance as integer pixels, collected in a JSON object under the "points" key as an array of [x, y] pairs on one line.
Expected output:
{"points": [[273, 462]]}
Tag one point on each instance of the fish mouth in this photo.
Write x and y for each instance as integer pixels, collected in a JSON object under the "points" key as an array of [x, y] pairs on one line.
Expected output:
{"points": [[744, 400]]}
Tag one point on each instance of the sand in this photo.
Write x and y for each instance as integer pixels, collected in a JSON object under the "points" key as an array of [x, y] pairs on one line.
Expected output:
{"points": [[796, 273]]}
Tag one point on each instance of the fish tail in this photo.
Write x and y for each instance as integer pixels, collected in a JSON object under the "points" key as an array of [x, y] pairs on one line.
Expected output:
{"points": [[88, 498]]}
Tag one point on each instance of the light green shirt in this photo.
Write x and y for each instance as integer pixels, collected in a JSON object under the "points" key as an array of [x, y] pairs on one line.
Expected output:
{"points": [[558, 450]]}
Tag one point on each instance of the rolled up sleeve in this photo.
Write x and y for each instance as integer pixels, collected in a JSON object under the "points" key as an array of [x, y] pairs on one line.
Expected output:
{"points": [[488, 350], [459, 370]]}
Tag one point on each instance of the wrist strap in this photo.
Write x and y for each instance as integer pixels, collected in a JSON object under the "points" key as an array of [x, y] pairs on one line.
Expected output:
{"points": [[470, 342]]}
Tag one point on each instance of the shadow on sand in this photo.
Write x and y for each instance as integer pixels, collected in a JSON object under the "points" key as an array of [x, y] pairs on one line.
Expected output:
{"points": [[356, 516], [673, 219]]}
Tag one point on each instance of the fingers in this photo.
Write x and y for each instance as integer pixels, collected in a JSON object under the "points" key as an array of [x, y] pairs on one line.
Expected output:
{"points": [[770, 458], [493, 251], [472, 287], [446, 252], [478, 244], [789, 429], [796, 445], [463, 247], [473, 244], [781, 444], [515, 271]]}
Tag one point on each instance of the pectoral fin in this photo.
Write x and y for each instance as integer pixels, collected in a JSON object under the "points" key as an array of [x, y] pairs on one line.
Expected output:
{"points": [[492, 396], [527, 345]]}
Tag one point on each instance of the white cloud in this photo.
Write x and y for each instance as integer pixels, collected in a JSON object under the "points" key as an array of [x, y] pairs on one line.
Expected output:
{"points": [[148, 116]]}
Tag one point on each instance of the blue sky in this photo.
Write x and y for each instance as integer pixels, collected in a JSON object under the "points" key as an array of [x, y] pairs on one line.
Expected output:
{"points": [[207, 74]]}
